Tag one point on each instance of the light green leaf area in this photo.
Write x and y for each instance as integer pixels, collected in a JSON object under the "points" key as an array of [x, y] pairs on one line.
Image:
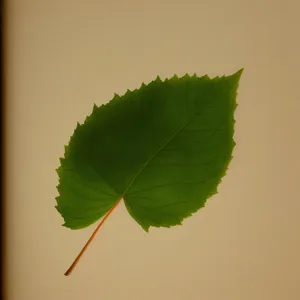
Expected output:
{"points": [[163, 148]]}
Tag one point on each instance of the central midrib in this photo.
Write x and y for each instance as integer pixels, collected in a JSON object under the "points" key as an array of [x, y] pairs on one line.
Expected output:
{"points": [[156, 153]]}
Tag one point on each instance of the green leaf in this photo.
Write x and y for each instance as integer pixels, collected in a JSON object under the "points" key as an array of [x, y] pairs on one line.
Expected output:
{"points": [[163, 148]]}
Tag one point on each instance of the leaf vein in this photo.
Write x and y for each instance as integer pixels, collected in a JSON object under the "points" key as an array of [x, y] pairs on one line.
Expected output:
{"points": [[165, 185]]}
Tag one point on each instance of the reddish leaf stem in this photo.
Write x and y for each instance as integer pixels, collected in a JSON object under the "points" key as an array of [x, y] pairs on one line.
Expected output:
{"points": [[68, 272]]}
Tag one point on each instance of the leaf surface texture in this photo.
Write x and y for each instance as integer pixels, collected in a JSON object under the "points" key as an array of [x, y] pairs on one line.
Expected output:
{"points": [[163, 148]]}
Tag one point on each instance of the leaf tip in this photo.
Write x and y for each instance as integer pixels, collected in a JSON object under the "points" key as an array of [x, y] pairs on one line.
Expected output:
{"points": [[238, 74]]}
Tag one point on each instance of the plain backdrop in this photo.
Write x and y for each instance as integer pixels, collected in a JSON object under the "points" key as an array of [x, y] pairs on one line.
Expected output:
{"points": [[62, 56]]}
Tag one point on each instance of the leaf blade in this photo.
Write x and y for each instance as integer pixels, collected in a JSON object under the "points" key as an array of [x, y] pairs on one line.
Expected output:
{"points": [[123, 145]]}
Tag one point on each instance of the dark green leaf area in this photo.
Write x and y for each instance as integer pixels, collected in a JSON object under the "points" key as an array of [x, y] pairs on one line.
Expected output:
{"points": [[163, 148]]}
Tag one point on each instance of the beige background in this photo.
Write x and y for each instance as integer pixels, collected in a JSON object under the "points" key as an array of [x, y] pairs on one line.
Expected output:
{"points": [[62, 56]]}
